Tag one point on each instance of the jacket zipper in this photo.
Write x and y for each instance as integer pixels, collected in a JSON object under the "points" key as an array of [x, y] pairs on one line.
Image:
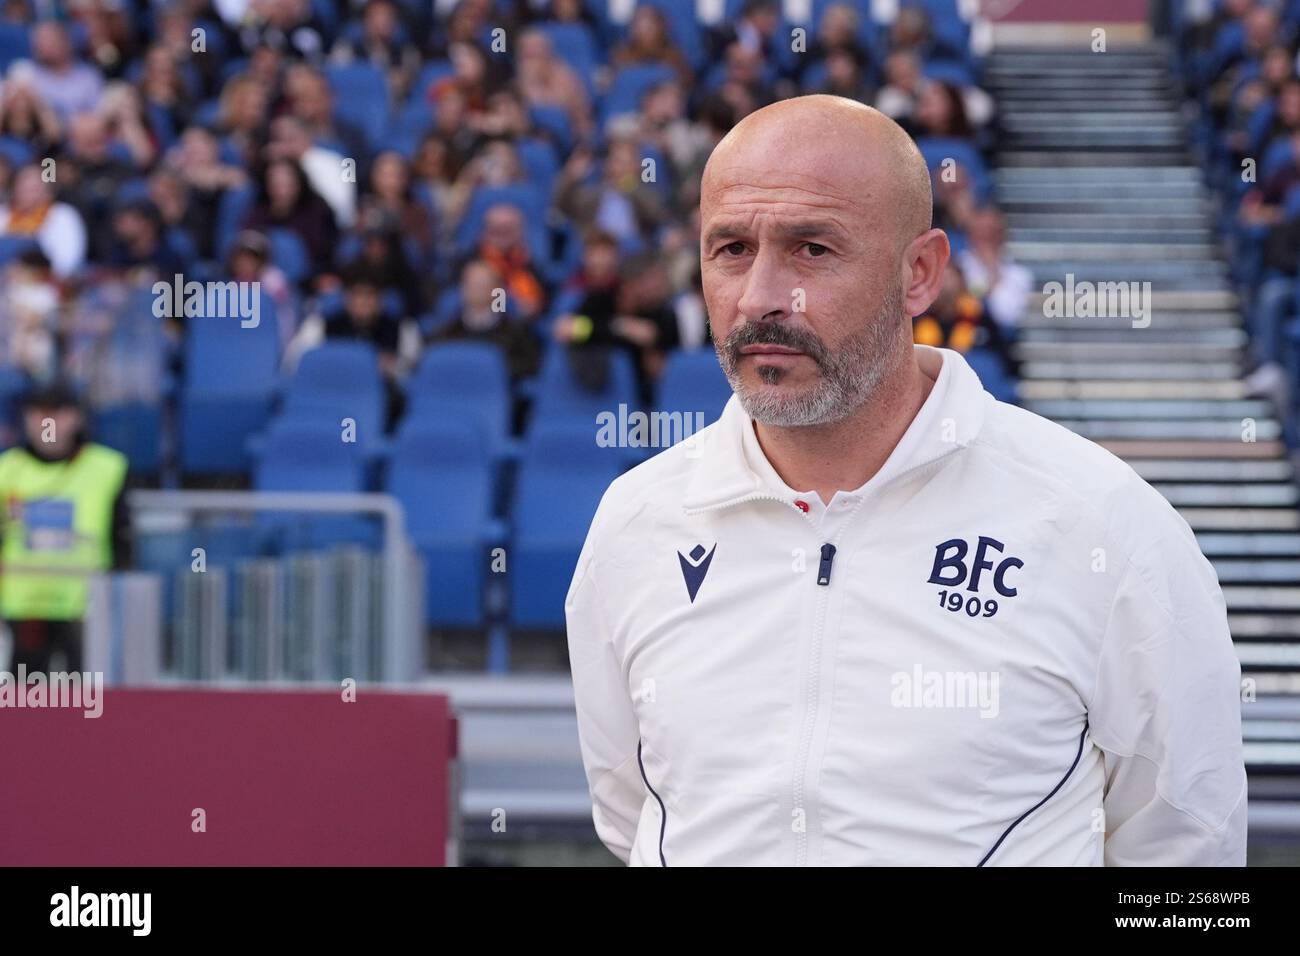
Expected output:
{"points": [[827, 553]]}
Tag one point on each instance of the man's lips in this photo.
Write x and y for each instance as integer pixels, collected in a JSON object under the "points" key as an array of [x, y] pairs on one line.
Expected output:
{"points": [[769, 350]]}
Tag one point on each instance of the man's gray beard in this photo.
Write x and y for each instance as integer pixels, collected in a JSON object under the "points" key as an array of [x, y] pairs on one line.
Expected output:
{"points": [[850, 373]]}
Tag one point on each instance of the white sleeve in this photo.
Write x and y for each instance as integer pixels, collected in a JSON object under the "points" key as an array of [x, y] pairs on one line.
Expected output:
{"points": [[607, 726], [1166, 712]]}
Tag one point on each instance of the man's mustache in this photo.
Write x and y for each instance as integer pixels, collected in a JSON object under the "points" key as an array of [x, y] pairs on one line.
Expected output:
{"points": [[774, 333]]}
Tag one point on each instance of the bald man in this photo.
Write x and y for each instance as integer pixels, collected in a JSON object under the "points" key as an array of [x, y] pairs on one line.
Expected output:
{"points": [[873, 615]]}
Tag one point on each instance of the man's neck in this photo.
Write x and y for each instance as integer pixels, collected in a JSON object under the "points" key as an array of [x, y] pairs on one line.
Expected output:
{"points": [[845, 455]]}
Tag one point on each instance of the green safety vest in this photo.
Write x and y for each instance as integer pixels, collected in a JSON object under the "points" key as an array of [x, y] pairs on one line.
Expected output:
{"points": [[58, 517]]}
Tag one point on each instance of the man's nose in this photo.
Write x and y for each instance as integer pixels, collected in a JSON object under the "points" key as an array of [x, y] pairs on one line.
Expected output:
{"points": [[767, 293]]}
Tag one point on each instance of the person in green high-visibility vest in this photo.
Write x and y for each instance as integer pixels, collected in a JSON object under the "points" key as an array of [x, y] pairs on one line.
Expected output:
{"points": [[64, 518]]}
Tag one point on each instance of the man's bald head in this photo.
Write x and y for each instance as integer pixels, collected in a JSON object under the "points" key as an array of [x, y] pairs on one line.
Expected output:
{"points": [[833, 146]]}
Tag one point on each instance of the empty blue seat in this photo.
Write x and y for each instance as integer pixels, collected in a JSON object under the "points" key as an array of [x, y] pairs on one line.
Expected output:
{"points": [[340, 380], [134, 429], [441, 473], [693, 382], [360, 97], [560, 395], [992, 374], [308, 456], [229, 385], [628, 86], [562, 477], [465, 381]]}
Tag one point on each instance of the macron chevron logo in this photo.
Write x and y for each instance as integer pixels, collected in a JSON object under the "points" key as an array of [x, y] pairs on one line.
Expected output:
{"points": [[694, 567]]}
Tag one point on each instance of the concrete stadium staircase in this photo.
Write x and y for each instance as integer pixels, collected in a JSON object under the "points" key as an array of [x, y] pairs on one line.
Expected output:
{"points": [[1096, 180]]}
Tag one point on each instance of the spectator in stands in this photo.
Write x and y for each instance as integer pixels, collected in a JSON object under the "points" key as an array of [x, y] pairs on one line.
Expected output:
{"points": [[496, 163], [957, 321], [755, 30], [484, 317], [838, 31], [940, 112], [392, 193], [165, 91], [289, 26], [991, 274], [667, 127], [620, 202], [544, 79], [90, 176], [649, 41], [66, 84], [744, 79], [363, 317], [25, 116], [286, 200], [452, 128], [140, 245], [123, 116], [903, 83], [242, 117], [311, 101], [382, 254], [430, 178], [57, 227], [250, 261], [504, 245], [29, 314], [324, 168], [196, 159], [622, 306], [845, 75], [381, 41], [65, 511], [471, 76]]}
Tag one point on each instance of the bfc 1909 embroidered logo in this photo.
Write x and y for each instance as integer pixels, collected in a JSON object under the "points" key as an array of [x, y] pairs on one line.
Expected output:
{"points": [[694, 567], [951, 571]]}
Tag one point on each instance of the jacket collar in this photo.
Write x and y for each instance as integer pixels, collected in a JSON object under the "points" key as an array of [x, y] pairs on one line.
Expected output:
{"points": [[949, 419]]}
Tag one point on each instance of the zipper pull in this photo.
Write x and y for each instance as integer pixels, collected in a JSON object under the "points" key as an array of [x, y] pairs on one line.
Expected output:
{"points": [[824, 570]]}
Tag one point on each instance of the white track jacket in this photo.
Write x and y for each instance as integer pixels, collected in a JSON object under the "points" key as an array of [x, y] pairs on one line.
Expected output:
{"points": [[1010, 651]]}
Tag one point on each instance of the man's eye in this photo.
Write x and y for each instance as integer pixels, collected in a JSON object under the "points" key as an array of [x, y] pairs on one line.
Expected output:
{"points": [[734, 248], [816, 249]]}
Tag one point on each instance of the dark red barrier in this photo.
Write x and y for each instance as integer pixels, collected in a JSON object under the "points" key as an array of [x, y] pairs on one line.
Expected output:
{"points": [[283, 777]]}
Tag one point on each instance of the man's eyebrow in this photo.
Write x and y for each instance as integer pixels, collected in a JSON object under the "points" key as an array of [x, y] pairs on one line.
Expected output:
{"points": [[800, 229]]}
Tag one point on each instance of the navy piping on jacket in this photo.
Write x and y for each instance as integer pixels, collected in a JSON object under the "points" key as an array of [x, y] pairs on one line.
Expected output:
{"points": [[1058, 786], [663, 813]]}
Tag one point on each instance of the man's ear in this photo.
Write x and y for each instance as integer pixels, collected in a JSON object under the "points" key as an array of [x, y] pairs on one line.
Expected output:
{"points": [[924, 262]]}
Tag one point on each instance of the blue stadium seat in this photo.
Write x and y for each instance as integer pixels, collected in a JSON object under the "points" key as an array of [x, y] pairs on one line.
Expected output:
{"points": [[441, 473], [134, 429], [562, 477], [311, 456], [693, 382], [15, 151], [289, 252], [229, 384], [560, 396], [628, 86], [361, 98], [339, 380], [11, 247], [463, 381], [992, 374], [15, 43]]}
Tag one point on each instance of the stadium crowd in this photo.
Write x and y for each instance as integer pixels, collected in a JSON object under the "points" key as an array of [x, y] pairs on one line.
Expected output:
{"points": [[382, 167], [1240, 65]]}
